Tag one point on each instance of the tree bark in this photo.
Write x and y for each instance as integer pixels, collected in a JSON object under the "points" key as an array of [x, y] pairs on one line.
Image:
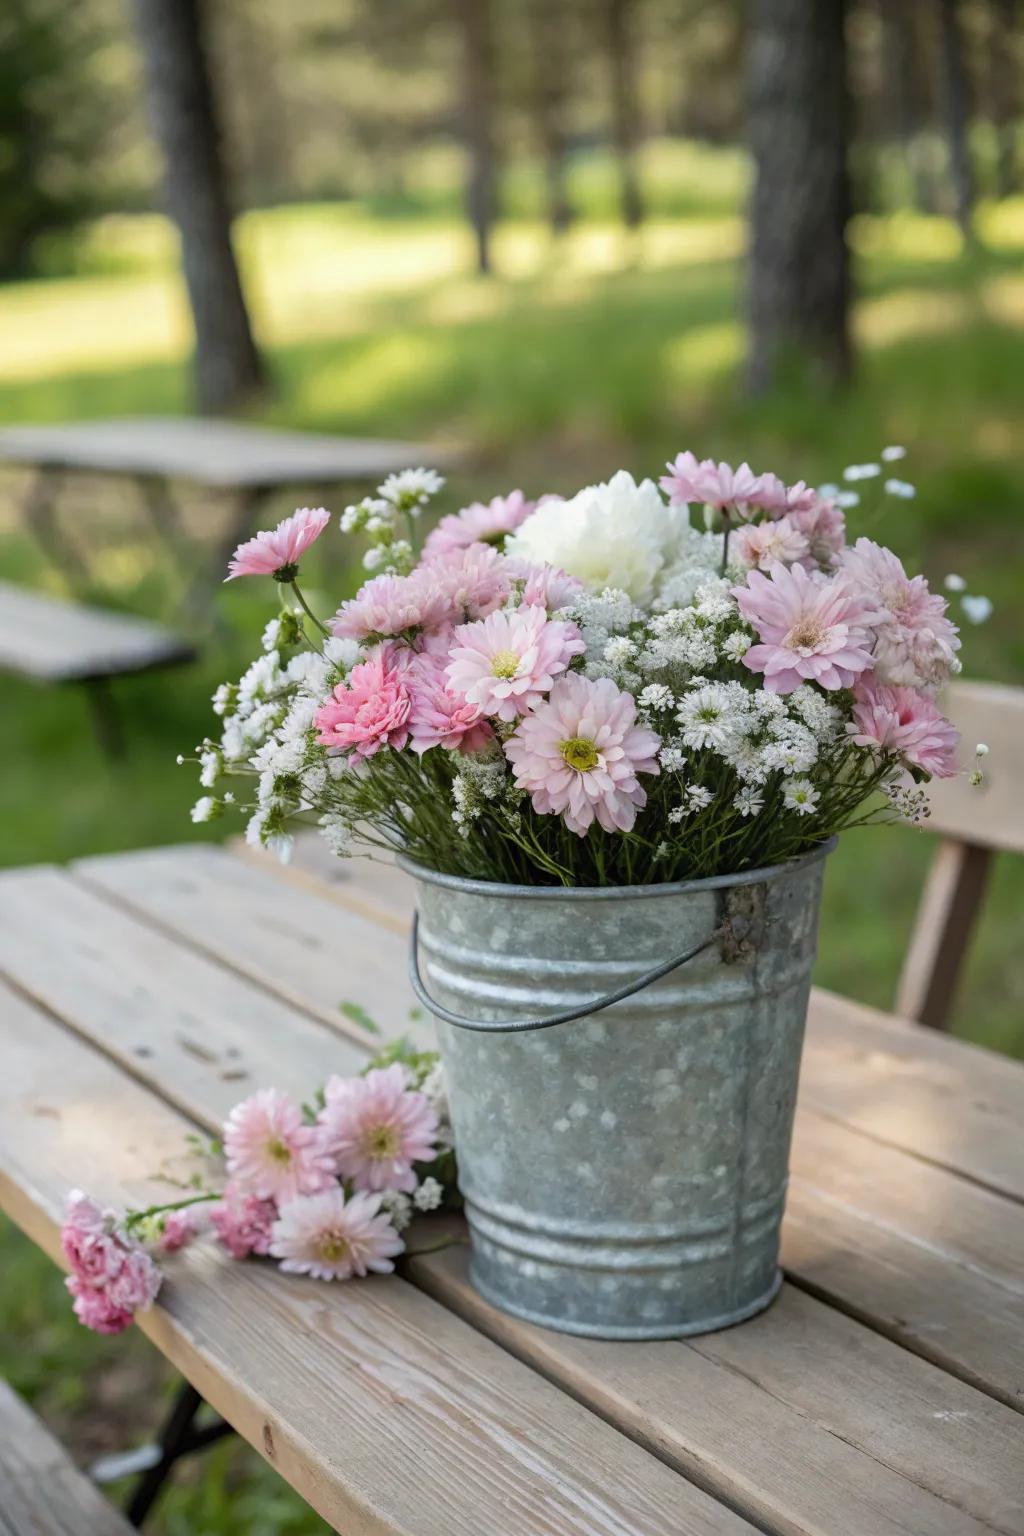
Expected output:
{"points": [[799, 265], [550, 71], [228, 369], [957, 112], [474, 18], [625, 130], [906, 89], [1004, 92]]}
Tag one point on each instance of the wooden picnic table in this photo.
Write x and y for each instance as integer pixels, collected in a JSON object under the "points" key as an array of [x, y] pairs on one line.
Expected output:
{"points": [[881, 1395], [159, 454]]}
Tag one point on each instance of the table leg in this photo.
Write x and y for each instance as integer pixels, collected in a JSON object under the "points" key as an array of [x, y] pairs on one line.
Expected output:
{"points": [[38, 514], [199, 599], [178, 1437], [105, 720]]}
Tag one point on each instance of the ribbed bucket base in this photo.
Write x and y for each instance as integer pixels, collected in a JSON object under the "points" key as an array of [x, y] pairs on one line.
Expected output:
{"points": [[635, 1332]]}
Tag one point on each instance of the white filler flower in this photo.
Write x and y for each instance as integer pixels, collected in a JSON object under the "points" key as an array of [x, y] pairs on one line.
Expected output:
{"points": [[618, 534]]}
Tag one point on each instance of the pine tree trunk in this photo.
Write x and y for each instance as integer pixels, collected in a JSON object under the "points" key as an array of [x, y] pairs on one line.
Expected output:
{"points": [[550, 70], [1004, 92], [957, 105], [902, 60], [625, 131], [799, 265], [228, 370], [474, 17]]}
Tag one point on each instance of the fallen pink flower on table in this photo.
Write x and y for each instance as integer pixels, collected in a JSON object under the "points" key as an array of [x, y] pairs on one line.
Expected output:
{"points": [[332, 1238], [271, 1152], [377, 1127]]}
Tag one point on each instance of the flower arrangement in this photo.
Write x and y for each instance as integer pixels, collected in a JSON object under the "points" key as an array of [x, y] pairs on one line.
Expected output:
{"points": [[326, 1190], [640, 683]]}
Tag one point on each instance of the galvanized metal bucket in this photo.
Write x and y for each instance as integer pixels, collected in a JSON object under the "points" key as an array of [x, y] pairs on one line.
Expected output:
{"points": [[625, 1172]]}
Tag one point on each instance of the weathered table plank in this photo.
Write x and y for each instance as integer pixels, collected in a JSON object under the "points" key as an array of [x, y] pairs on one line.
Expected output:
{"points": [[218, 453], [691, 1426], [58, 642], [384, 1410], [42, 1492]]}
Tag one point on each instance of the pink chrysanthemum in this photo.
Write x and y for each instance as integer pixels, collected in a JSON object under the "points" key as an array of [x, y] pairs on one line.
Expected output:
{"points": [[243, 1222], [480, 523], [811, 629], [719, 485], [760, 545], [579, 754], [466, 584], [507, 662], [277, 553], [904, 721], [368, 712], [269, 1150], [390, 605], [111, 1277], [377, 1126], [440, 718], [916, 644], [332, 1238], [545, 586], [821, 522]]}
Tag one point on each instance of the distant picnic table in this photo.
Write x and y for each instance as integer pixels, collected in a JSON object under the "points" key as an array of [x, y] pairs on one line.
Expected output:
{"points": [[143, 994], [162, 453]]}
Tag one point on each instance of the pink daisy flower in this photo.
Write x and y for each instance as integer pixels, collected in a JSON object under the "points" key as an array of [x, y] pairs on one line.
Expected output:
{"points": [[579, 753], [507, 662], [377, 1126], [269, 1150], [480, 523], [332, 1238], [243, 1222], [811, 629], [721, 486], [760, 545], [440, 718], [904, 721], [277, 553], [368, 712], [916, 644]]}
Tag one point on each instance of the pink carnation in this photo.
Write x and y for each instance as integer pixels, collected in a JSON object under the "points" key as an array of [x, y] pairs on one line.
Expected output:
{"points": [[811, 629], [377, 1126], [271, 1152], [719, 485], [389, 605], [545, 586], [243, 1222], [904, 721], [466, 584], [579, 754], [111, 1277], [440, 718], [368, 712], [480, 523], [332, 1238], [507, 662], [178, 1229], [821, 522], [277, 553], [760, 545], [916, 644]]}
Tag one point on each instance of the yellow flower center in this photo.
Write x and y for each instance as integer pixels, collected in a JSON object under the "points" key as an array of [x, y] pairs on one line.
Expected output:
{"points": [[333, 1246], [504, 664], [806, 634], [279, 1152], [380, 1141], [580, 753]]}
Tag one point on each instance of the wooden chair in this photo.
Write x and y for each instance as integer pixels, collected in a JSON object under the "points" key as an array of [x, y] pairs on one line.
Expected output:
{"points": [[42, 1492], [974, 823]]}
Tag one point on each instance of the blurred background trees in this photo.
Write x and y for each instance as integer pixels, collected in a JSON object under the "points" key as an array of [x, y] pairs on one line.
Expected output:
{"points": [[917, 100]]}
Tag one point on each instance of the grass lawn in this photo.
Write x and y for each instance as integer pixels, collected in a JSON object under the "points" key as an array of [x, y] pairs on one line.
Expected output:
{"points": [[576, 358]]}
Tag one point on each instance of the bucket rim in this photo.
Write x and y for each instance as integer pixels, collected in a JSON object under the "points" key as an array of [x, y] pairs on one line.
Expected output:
{"points": [[498, 889]]}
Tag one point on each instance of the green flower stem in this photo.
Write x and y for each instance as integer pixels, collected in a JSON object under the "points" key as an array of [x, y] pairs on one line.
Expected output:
{"points": [[307, 610], [134, 1218]]}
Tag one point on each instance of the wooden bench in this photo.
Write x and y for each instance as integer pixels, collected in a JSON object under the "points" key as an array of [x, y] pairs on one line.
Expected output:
{"points": [[57, 642], [974, 823], [42, 1492]]}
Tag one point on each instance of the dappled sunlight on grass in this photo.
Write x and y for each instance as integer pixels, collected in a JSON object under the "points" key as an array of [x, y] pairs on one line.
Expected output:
{"points": [[703, 353]]}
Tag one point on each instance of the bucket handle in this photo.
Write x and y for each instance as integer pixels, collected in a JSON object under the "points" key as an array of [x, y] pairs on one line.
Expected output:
{"points": [[737, 926]]}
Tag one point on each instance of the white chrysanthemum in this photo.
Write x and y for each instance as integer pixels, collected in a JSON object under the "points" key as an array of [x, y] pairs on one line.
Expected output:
{"points": [[618, 534], [801, 796], [749, 801]]}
